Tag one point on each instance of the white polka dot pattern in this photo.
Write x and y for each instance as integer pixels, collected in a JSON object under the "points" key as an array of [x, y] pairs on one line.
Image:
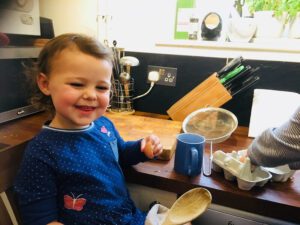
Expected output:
{"points": [[76, 174]]}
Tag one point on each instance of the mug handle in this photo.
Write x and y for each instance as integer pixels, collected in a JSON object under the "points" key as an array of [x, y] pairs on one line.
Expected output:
{"points": [[193, 159]]}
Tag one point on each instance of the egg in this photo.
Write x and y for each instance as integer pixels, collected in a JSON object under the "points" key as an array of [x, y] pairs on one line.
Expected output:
{"points": [[242, 159], [148, 151]]}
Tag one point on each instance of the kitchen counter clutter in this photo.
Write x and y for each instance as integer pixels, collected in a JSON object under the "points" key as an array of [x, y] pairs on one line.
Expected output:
{"points": [[274, 199], [236, 166], [280, 200], [234, 169], [133, 127]]}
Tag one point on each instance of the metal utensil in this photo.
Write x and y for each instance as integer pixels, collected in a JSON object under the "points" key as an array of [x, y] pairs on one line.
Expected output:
{"points": [[124, 78], [229, 66], [242, 79], [131, 60], [128, 62], [245, 85], [116, 63]]}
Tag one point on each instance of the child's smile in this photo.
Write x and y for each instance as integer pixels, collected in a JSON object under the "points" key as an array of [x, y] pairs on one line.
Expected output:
{"points": [[86, 110]]}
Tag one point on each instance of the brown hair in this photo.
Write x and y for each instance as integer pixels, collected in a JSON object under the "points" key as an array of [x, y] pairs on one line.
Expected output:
{"points": [[83, 43]]}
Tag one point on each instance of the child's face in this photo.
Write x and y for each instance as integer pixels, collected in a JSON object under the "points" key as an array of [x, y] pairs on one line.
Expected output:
{"points": [[79, 85]]}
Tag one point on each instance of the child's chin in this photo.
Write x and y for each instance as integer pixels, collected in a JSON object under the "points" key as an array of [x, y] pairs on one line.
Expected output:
{"points": [[84, 124]]}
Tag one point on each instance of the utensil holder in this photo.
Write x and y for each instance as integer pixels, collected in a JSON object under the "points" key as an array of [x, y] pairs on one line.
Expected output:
{"points": [[210, 92], [122, 94]]}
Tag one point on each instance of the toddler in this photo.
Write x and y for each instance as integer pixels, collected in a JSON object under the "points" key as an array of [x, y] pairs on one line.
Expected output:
{"points": [[72, 170]]}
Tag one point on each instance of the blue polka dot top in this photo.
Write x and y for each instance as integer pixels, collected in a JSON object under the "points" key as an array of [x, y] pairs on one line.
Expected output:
{"points": [[75, 177]]}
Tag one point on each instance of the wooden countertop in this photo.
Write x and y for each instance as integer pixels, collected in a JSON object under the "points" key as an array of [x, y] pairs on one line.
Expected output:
{"points": [[278, 200], [133, 127]]}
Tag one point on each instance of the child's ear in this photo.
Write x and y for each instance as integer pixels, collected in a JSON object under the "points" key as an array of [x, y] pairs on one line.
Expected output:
{"points": [[43, 83]]}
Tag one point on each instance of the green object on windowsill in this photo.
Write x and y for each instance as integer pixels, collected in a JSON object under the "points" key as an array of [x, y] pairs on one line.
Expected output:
{"points": [[184, 10], [291, 7]]}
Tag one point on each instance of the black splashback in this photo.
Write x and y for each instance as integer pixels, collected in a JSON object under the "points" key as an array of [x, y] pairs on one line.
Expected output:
{"points": [[192, 70]]}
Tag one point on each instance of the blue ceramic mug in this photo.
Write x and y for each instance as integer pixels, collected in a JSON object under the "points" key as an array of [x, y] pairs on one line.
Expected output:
{"points": [[189, 154]]}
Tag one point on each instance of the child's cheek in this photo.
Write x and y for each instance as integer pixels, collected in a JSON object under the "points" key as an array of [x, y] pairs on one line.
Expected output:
{"points": [[104, 99]]}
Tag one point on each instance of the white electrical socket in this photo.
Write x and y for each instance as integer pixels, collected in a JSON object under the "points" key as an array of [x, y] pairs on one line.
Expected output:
{"points": [[164, 75], [153, 76]]}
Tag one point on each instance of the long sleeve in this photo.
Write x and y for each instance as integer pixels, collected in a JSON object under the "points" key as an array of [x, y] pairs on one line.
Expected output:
{"points": [[36, 188], [129, 151], [74, 177], [278, 146]]}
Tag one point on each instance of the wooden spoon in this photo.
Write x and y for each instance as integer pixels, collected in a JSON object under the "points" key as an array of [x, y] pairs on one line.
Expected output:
{"points": [[188, 207]]}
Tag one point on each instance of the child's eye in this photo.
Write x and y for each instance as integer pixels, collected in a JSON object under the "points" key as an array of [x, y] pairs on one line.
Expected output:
{"points": [[102, 88], [76, 84]]}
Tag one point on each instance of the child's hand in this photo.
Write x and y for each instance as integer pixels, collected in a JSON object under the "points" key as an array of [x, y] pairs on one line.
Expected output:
{"points": [[151, 146]]}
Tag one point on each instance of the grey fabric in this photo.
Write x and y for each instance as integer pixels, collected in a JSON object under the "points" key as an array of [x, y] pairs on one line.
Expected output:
{"points": [[278, 146]]}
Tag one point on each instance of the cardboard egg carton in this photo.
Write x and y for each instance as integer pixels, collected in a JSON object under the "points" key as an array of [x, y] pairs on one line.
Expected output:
{"points": [[280, 173], [234, 169], [237, 167]]}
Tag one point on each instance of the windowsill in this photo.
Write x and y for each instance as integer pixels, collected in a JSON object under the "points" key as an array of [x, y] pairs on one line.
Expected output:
{"points": [[261, 49]]}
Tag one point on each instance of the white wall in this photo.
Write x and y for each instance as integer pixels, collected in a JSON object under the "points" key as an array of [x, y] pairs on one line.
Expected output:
{"points": [[135, 24], [71, 15], [138, 25]]}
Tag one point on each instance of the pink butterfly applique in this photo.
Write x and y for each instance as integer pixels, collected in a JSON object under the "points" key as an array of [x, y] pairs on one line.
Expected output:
{"points": [[74, 203]]}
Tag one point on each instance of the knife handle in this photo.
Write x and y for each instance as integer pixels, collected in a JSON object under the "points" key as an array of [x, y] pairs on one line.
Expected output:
{"points": [[229, 66], [238, 77], [246, 85], [242, 78], [231, 74]]}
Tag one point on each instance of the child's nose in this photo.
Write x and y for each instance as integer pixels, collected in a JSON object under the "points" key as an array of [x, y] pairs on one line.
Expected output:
{"points": [[90, 94]]}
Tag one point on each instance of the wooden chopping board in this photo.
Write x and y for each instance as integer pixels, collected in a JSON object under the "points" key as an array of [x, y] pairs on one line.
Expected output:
{"points": [[132, 127]]}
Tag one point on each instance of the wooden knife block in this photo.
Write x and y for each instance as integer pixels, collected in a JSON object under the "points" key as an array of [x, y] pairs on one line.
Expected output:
{"points": [[210, 92]]}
